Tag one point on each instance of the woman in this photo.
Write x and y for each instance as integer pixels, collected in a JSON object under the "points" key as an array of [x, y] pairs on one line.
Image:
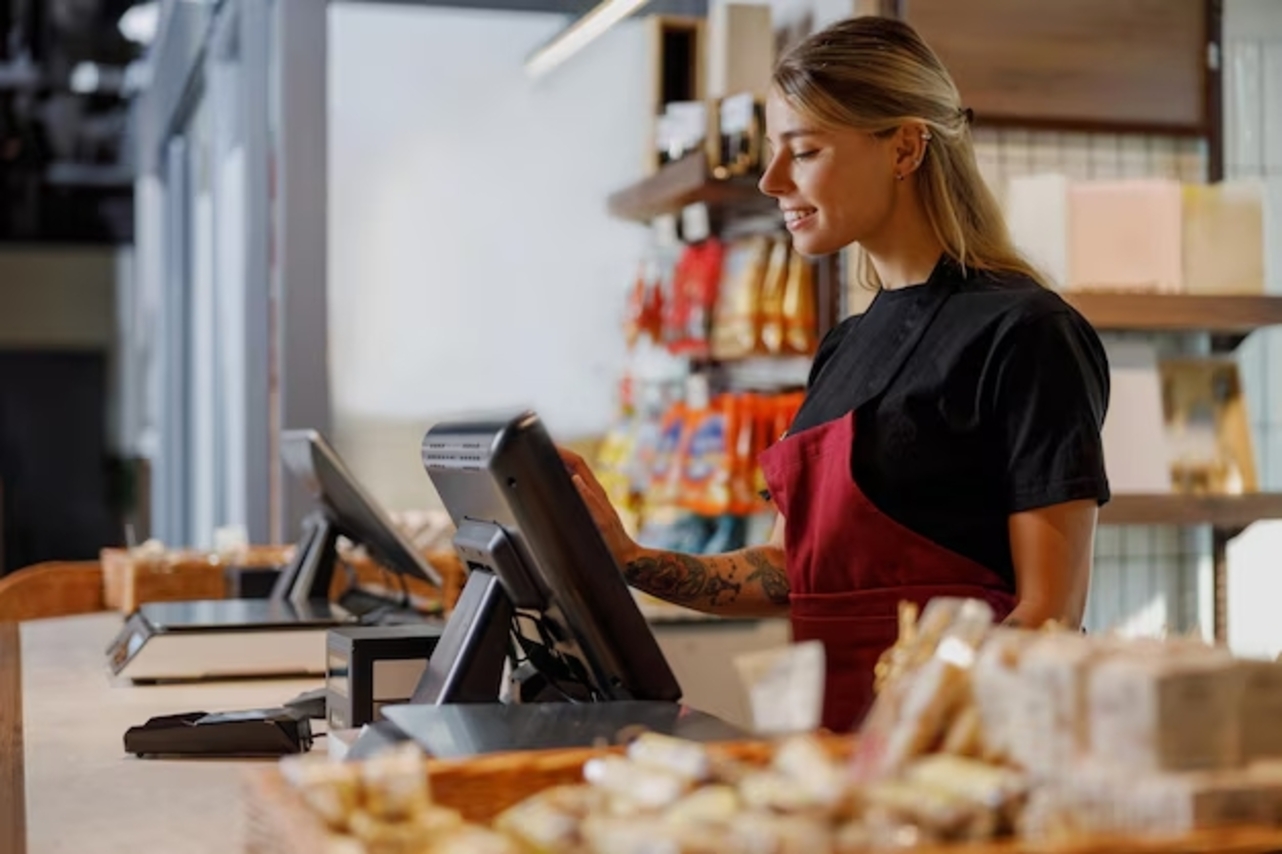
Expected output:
{"points": [[949, 443]]}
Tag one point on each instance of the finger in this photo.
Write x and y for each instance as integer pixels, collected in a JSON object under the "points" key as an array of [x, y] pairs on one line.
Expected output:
{"points": [[598, 503], [594, 486], [571, 459], [589, 494]]}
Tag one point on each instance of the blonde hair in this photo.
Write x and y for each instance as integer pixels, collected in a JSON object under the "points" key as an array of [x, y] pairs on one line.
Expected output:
{"points": [[876, 74]]}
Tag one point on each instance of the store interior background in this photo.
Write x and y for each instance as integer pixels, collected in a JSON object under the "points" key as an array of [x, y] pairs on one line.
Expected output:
{"points": [[453, 209]]}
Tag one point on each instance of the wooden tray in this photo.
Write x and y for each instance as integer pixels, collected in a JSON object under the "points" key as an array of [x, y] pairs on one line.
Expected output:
{"points": [[278, 822], [129, 582], [480, 788]]}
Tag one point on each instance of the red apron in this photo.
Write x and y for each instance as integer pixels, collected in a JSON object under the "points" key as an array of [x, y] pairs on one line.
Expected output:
{"points": [[849, 565]]}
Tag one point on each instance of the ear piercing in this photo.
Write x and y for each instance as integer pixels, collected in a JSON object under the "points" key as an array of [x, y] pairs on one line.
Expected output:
{"points": [[927, 135]]}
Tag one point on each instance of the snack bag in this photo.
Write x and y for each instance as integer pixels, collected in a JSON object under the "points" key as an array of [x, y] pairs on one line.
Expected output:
{"points": [[772, 298], [613, 470], [694, 294], [744, 497], [669, 453], [736, 332], [635, 312], [799, 307], [676, 310], [706, 474], [785, 687], [765, 433]]}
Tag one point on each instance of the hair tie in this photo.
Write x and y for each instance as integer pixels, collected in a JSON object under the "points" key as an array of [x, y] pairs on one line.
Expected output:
{"points": [[969, 115]]}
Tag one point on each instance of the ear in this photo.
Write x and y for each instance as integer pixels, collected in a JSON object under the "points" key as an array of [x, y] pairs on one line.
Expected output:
{"points": [[910, 143]]}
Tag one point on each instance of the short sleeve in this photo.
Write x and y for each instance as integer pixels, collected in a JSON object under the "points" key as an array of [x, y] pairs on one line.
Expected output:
{"points": [[1049, 401]]}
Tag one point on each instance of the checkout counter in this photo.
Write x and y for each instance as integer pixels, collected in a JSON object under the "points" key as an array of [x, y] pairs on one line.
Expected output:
{"points": [[67, 784]]}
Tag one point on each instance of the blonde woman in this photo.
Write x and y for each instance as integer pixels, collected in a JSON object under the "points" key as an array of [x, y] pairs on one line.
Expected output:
{"points": [[949, 444]]}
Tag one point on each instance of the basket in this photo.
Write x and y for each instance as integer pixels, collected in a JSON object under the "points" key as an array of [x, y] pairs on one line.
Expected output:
{"points": [[278, 822], [370, 575], [130, 581], [479, 788]]}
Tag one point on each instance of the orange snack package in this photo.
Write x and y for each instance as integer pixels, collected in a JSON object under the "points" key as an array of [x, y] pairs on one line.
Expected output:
{"points": [[799, 307], [669, 454], [744, 497], [707, 469]]}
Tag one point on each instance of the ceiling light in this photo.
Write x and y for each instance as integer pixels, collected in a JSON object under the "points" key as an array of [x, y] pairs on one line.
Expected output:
{"points": [[139, 23], [579, 34]]}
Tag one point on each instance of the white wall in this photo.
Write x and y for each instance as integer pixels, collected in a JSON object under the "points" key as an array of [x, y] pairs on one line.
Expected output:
{"points": [[472, 263]]}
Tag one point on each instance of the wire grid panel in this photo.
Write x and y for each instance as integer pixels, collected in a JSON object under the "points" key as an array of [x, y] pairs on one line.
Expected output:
{"points": [[1144, 580]]}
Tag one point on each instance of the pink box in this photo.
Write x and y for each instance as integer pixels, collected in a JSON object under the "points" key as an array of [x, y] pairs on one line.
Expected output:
{"points": [[1125, 235]]}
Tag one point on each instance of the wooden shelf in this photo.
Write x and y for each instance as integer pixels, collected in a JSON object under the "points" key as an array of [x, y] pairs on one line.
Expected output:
{"points": [[686, 182], [1232, 512], [1177, 312]]}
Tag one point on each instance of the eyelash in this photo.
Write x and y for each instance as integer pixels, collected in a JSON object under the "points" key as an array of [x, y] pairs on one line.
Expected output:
{"points": [[805, 155]]}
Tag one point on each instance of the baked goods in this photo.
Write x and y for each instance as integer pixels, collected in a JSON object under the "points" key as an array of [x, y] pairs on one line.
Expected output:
{"points": [[978, 733]]}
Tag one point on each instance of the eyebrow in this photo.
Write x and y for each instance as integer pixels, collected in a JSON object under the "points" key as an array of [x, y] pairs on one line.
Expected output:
{"points": [[788, 135], [796, 132]]}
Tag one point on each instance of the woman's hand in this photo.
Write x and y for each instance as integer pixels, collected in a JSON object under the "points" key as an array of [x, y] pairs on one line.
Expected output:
{"points": [[622, 546]]}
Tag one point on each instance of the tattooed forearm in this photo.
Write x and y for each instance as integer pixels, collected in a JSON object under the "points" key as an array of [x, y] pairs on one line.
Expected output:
{"points": [[769, 574], [713, 583], [681, 579]]}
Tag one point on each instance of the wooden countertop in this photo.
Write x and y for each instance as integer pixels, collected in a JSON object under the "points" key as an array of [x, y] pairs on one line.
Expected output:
{"points": [[62, 720]]}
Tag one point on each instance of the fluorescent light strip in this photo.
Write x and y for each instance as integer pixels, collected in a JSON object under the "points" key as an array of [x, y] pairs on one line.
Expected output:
{"points": [[579, 34]]}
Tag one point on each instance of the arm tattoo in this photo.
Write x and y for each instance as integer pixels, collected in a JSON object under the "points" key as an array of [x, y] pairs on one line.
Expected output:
{"points": [[773, 580], [682, 580]]}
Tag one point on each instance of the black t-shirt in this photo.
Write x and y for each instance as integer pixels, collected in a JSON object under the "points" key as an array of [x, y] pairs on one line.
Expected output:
{"points": [[977, 395]]}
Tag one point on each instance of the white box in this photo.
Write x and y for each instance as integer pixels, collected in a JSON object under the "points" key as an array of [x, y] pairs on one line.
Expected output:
{"points": [[741, 50], [1037, 214]]}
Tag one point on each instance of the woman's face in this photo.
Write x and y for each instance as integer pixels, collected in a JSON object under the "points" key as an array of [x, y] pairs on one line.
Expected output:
{"points": [[835, 187]]}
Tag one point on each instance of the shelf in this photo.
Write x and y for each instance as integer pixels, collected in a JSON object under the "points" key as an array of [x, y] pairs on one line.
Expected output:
{"points": [[686, 182], [1220, 511], [1233, 315]]}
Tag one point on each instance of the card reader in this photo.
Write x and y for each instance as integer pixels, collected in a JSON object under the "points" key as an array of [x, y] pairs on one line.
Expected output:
{"points": [[258, 732]]}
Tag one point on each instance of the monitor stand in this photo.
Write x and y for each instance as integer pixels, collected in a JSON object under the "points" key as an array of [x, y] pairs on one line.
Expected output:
{"points": [[467, 664], [282, 635]]}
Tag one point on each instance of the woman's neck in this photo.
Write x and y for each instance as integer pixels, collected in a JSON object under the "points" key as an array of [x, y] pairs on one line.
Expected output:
{"points": [[907, 250]]}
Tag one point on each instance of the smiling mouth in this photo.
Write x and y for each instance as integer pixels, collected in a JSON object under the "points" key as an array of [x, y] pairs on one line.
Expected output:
{"points": [[795, 219]]}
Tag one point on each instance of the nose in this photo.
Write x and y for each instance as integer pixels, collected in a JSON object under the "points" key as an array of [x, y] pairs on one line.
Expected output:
{"points": [[774, 181]]}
